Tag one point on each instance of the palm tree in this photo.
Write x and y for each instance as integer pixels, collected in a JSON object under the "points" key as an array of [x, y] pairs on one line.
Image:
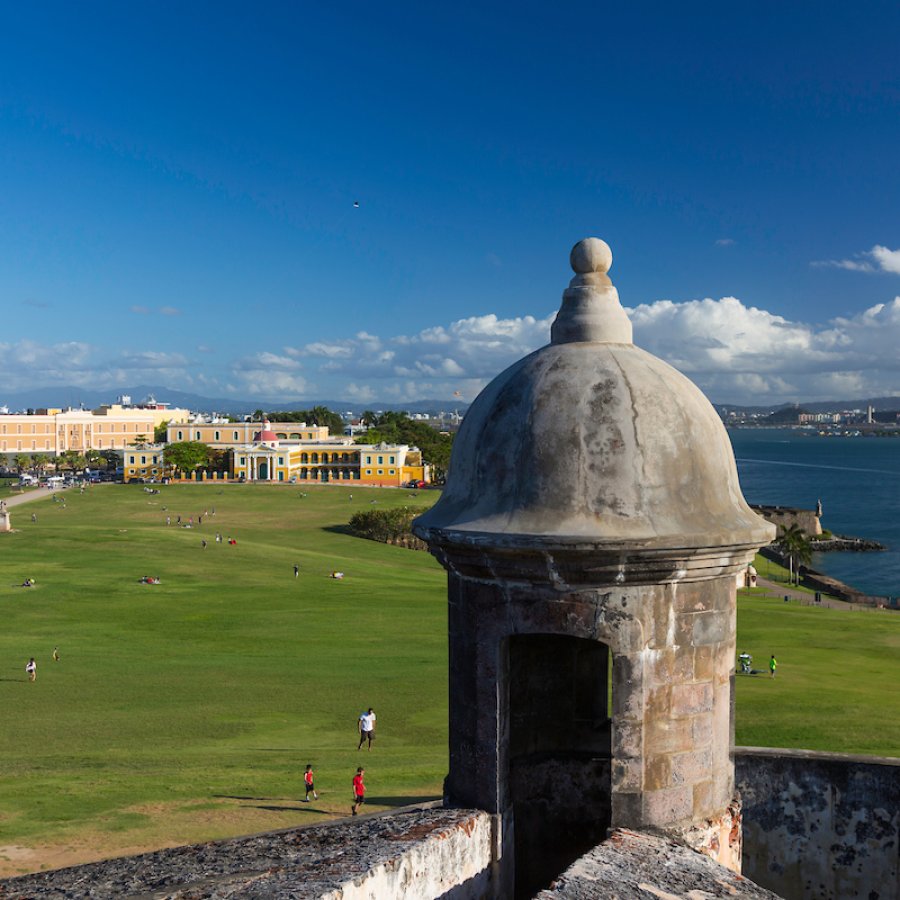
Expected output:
{"points": [[70, 459], [40, 461], [795, 543], [23, 461]]}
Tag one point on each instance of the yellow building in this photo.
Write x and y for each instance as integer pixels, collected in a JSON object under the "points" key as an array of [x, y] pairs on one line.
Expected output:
{"points": [[225, 435], [143, 462], [52, 432], [339, 459]]}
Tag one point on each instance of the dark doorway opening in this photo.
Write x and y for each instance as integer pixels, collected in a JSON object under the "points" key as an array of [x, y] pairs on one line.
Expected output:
{"points": [[559, 753]]}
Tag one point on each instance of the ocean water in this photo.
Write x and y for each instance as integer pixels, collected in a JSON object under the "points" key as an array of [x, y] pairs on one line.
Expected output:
{"points": [[857, 480]]}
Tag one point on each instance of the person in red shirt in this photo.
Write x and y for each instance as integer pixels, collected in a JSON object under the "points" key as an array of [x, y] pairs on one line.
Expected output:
{"points": [[310, 787], [359, 789]]}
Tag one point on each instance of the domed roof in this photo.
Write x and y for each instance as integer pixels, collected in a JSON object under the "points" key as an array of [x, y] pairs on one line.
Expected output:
{"points": [[591, 440], [265, 436]]}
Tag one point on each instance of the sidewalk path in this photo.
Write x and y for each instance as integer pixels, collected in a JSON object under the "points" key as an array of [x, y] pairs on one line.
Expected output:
{"points": [[781, 590]]}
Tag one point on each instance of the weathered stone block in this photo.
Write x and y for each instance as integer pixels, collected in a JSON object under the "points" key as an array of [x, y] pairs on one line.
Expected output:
{"points": [[704, 662], [627, 775], [657, 771], [710, 628], [668, 736], [673, 804], [667, 666], [702, 729], [690, 699], [691, 767], [627, 739]]}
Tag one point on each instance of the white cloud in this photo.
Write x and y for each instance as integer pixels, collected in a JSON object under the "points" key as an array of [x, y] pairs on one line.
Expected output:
{"points": [[267, 384], [150, 359], [265, 360], [888, 260], [736, 353], [325, 349], [878, 259], [725, 242]]}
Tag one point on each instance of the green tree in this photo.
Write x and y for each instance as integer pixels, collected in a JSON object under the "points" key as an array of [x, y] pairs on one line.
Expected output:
{"points": [[161, 432], [318, 415], [186, 456], [70, 459], [40, 461], [111, 458], [398, 428], [795, 543], [140, 441], [322, 415], [93, 457], [22, 462], [368, 418]]}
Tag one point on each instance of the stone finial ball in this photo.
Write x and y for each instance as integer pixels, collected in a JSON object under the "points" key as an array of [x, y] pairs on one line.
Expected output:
{"points": [[590, 255]]}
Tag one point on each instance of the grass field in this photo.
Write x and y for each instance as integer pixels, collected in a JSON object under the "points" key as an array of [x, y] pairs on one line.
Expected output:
{"points": [[187, 711]]}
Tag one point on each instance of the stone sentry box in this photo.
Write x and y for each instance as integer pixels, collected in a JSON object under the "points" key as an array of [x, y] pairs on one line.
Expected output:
{"points": [[592, 527]]}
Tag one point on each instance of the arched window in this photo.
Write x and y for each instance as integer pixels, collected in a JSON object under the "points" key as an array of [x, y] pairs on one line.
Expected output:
{"points": [[304, 458], [315, 457]]}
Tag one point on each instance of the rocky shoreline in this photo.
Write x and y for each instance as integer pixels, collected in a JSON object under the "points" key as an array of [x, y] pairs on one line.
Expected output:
{"points": [[839, 542]]}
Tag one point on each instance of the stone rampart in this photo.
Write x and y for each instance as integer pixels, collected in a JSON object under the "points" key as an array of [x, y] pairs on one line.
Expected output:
{"points": [[820, 826], [413, 854], [785, 516]]}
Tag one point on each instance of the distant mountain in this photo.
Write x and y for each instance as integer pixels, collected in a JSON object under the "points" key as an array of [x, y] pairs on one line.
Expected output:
{"points": [[75, 396], [89, 399], [880, 404]]}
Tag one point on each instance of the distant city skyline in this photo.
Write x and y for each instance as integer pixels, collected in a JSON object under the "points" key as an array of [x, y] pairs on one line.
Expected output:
{"points": [[377, 203]]}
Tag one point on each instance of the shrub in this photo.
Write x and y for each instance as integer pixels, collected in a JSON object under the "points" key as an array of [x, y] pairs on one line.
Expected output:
{"points": [[389, 526]]}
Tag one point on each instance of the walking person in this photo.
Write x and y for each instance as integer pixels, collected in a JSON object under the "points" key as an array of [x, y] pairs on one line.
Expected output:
{"points": [[773, 665], [366, 727], [56, 654], [296, 570], [31, 669], [359, 790], [310, 785]]}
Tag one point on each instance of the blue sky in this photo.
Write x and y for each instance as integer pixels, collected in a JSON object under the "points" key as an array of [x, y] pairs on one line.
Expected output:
{"points": [[177, 188]]}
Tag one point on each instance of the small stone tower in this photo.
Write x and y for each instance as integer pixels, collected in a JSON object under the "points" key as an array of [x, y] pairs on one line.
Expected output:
{"points": [[592, 527]]}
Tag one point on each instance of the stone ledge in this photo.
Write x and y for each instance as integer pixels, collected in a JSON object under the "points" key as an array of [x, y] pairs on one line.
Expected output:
{"points": [[395, 854], [632, 865]]}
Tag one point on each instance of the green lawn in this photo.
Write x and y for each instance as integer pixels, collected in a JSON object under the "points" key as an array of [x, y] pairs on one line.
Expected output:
{"points": [[187, 711], [836, 683]]}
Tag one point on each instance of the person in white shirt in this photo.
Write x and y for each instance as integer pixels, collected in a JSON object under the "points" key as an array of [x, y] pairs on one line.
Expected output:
{"points": [[366, 728]]}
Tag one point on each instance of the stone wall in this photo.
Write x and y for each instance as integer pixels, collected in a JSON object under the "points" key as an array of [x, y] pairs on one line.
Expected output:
{"points": [[785, 516], [820, 826], [412, 854]]}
